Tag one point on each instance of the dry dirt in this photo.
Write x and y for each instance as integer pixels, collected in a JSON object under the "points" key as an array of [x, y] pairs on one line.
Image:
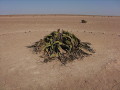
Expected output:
{"points": [[21, 69]]}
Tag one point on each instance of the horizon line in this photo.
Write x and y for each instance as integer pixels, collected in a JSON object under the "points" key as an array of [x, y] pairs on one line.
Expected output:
{"points": [[55, 14]]}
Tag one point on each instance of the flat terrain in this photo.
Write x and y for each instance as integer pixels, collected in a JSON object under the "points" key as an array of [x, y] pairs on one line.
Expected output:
{"points": [[21, 69]]}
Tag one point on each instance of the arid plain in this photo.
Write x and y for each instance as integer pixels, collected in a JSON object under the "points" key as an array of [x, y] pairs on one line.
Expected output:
{"points": [[21, 69]]}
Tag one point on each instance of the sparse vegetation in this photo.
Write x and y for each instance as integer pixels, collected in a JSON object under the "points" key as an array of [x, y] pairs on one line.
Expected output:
{"points": [[83, 21], [63, 46]]}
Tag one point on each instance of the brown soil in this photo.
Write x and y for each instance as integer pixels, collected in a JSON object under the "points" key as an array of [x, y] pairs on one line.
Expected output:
{"points": [[21, 69]]}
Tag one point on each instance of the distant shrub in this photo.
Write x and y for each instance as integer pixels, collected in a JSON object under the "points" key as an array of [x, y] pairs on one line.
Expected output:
{"points": [[83, 21]]}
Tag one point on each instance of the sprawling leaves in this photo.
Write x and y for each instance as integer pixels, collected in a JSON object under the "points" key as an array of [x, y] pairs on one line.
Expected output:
{"points": [[62, 45]]}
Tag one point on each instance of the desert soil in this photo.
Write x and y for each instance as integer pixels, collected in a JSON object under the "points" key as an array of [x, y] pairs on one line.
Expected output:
{"points": [[21, 69]]}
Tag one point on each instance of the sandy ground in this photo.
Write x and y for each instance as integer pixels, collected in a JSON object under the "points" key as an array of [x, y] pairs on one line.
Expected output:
{"points": [[21, 69]]}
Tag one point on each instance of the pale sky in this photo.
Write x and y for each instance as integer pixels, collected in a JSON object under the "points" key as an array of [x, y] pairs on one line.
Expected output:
{"points": [[83, 7]]}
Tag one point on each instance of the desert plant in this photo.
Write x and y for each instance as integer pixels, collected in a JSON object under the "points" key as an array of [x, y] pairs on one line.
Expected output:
{"points": [[62, 45], [83, 21]]}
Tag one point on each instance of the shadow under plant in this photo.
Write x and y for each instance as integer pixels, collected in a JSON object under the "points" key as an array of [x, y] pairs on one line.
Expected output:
{"points": [[63, 46]]}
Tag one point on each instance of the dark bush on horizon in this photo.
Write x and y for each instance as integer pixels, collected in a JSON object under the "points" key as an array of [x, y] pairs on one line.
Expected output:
{"points": [[83, 21]]}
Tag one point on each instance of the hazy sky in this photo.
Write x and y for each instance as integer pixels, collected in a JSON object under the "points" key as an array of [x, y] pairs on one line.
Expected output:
{"points": [[84, 7]]}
